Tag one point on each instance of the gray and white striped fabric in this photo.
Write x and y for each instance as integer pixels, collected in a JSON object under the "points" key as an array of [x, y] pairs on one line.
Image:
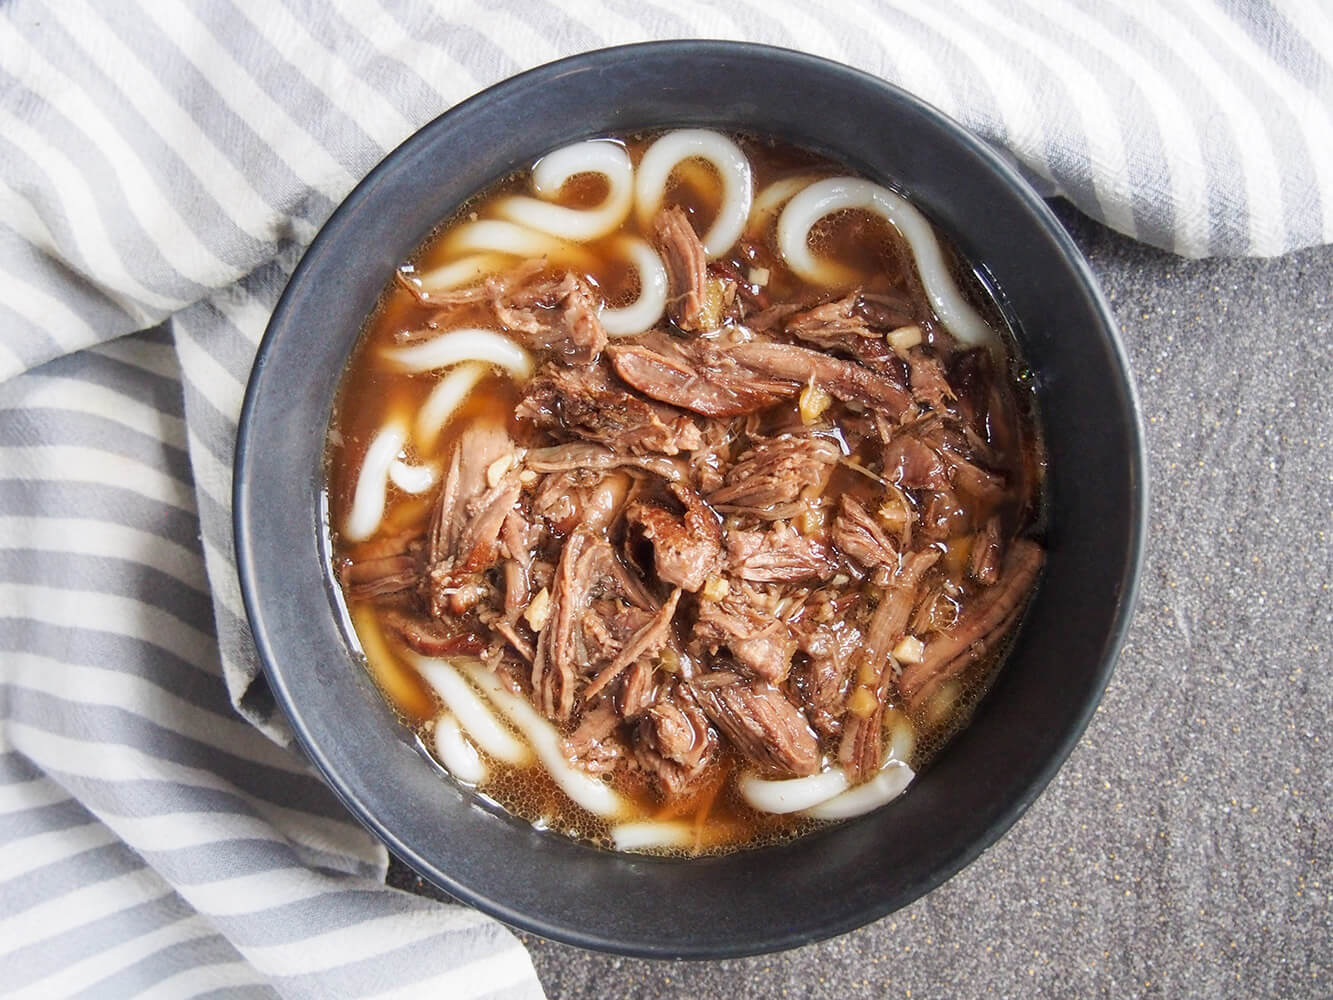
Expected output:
{"points": [[161, 168]]}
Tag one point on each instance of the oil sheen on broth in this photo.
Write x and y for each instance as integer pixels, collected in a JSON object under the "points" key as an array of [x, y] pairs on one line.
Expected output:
{"points": [[683, 493]]}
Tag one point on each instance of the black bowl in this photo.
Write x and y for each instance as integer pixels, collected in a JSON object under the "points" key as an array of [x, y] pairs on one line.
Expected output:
{"points": [[838, 879]]}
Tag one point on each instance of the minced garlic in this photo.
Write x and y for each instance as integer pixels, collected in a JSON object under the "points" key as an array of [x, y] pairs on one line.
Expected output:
{"points": [[862, 702], [904, 338], [496, 470], [716, 588], [909, 650], [538, 610]]}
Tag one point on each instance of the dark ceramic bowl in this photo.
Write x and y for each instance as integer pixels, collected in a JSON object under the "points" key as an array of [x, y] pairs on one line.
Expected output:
{"points": [[840, 878]]}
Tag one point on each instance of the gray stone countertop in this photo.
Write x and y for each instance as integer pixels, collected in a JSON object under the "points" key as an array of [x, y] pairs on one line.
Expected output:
{"points": [[1186, 847]]}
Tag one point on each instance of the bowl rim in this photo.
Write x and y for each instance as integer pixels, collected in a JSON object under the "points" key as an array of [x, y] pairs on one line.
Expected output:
{"points": [[1128, 588]]}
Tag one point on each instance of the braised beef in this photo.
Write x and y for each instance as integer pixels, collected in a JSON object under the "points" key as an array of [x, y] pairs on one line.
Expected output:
{"points": [[834, 325], [886, 311], [857, 535], [760, 644], [686, 547], [586, 403], [596, 744], [558, 315], [717, 389], [860, 750], [986, 621], [846, 380], [647, 641], [390, 567], [675, 743], [686, 267], [930, 387], [766, 479], [778, 555], [766, 728], [830, 653]]}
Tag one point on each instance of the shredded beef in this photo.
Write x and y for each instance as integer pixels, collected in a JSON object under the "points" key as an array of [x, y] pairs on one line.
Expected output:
{"points": [[760, 644], [830, 655], [704, 381], [986, 621], [686, 266], [390, 568], [585, 403], [857, 535], [558, 315], [767, 729], [686, 547], [777, 555], [834, 325], [675, 742], [846, 380], [770, 476], [596, 744]]}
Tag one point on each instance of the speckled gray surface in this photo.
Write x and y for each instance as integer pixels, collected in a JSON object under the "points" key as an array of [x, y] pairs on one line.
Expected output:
{"points": [[1186, 848]]}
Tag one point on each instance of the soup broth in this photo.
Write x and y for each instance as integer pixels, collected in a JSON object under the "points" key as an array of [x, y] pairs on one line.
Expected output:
{"points": [[682, 492]]}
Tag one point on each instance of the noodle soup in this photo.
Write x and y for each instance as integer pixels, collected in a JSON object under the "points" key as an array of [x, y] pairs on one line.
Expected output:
{"points": [[683, 491]]}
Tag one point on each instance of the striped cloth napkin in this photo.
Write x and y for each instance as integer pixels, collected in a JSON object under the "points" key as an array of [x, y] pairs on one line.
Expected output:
{"points": [[161, 168]]}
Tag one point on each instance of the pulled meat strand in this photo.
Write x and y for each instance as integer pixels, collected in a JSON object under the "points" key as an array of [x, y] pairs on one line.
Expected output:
{"points": [[558, 315], [686, 267], [686, 547], [857, 535], [834, 325], [581, 455], [760, 644], [586, 403], [675, 744], [430, 636], [779, 555], [862, 747], [596, 744], [490, 289], [383, 575], [985, 621], [846, 380], [775, 472], [646, 642], [767, 729], [718, 389]]}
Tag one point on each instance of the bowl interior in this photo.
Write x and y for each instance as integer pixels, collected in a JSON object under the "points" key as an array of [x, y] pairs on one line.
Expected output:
{"points": [[839, 878]]}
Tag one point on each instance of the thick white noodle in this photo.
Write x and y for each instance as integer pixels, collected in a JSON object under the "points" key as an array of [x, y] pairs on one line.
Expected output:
{"points": [[501, 236], [644, 312], [592, 794], [768, 201], [836, 194], [363, 520], [458, 272], [737, 187], [473, 714], [596, 156], [444, 399], [883, 787], [458, 346], [789, 795], [459, 757], [412, 478], [649, 834]]}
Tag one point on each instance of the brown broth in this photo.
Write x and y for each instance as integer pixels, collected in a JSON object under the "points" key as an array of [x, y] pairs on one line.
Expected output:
{"points": [[371, 393]]}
